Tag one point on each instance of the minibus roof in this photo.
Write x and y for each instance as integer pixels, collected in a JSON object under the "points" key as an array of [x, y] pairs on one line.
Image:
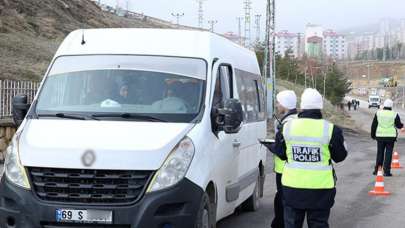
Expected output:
{"points": [[159, 42]]}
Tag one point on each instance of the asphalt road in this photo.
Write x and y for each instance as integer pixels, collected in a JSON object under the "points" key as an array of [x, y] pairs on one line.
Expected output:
{"points": [[353, 208]]}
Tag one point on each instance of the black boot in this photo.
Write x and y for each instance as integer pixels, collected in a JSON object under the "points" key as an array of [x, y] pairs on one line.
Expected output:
{"points": [[375, 170], [387, 173]]}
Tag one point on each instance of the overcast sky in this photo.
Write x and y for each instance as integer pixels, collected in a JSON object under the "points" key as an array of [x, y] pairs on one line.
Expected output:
{"points": [[291, 14]]}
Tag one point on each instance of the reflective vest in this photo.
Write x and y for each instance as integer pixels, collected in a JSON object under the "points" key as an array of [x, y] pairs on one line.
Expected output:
{"points": [[308, 157], [386, 124], [278, 163]]}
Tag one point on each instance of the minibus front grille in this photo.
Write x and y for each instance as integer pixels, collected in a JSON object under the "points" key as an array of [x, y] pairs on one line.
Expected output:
{"points": [[89, 186]]}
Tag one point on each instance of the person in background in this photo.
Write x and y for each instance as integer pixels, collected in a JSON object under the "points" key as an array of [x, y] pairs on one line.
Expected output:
{"points": [[384, 130], [349, 105], [287, 107], [309, 144]]}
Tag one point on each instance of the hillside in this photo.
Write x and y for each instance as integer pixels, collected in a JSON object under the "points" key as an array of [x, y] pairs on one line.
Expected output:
{"points": [[330, 112], [31, 30]]}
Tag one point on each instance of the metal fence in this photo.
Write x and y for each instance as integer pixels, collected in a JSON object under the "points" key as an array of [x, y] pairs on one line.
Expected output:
{"points": [[10, 88]]}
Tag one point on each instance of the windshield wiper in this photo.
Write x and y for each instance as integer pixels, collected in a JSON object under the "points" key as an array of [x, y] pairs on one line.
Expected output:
{"points": [[68, 116], [129, 116]]}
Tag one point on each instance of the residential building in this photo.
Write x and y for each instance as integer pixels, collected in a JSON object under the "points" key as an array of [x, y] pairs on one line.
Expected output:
{"points": [[402, 31], [287, 41], [314, 47], [313, 35], [334, 45]]}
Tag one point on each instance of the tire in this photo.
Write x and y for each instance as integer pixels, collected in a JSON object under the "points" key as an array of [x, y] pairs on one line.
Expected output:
{"points": [[206, 217], [253, 202]]}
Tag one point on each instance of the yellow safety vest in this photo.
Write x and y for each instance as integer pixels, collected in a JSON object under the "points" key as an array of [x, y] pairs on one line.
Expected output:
{"points": [[308, 157], [386, 124], [278, 163]]}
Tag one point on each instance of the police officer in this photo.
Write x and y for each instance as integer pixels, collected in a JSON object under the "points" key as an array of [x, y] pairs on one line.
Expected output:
{"points": [[309, 144], [384, 130], [287, 107]]}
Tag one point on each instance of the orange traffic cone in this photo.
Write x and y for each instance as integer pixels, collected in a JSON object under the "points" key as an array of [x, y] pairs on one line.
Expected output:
{"points": [[395, 161], [379, 185]]}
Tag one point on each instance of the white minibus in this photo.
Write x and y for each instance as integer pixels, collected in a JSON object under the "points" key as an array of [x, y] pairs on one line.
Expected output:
{"points": [[138, 128]]}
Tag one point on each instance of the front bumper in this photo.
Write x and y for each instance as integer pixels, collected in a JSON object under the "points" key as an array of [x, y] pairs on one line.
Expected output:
{"points": [[175, 207]]}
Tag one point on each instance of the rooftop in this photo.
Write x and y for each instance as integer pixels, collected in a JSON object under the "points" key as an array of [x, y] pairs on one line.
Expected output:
{"points": [[159, 42]]}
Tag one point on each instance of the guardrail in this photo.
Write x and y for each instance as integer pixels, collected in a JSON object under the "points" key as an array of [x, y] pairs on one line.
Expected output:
{"points": [[10, 88]]}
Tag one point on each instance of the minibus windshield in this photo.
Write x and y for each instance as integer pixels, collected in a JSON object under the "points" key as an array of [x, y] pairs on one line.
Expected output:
{"points": [[129, 88]]}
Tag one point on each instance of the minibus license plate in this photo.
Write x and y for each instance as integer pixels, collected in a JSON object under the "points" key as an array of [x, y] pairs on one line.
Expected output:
{"points": [[84, 216]]}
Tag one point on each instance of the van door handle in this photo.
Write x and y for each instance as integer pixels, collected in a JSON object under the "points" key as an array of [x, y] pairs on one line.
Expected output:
{"points": [[236, 143]]}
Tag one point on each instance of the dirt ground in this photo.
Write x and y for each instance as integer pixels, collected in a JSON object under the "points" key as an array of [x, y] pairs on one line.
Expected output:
{"points": [[31, 31]]}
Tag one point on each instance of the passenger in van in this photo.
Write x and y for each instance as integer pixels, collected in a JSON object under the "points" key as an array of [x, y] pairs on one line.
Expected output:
{"points": [[172, 102], [123, 95]]}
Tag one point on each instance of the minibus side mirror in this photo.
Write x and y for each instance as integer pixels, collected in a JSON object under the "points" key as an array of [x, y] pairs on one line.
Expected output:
{"points": [[230, 117], [20, 108]]}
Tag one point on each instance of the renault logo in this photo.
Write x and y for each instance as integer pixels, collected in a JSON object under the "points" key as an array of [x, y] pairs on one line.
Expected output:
{"points": [[88, 158]]}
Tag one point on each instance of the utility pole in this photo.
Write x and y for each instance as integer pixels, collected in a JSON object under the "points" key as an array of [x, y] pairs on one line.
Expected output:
{"points": [[403, 93], [212, 24], [269, 57], [248, 8], [368, 75], [201, 13], [324, 80], [178, 16], [117, 6], [257, 23], [299, 45], [305, 77], [240, 30]]}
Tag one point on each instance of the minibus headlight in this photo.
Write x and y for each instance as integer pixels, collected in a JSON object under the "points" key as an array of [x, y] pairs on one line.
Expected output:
{"points": [[14, 171], [175, 167]]}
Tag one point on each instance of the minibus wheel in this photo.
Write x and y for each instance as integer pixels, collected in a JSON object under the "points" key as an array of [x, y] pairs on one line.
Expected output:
{"points": [[253, 202], [205, 217]]}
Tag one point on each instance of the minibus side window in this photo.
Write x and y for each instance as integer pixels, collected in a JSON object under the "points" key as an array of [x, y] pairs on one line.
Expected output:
{"points": [[223, 87], [262, 96], [222, 91], [251, 95]]}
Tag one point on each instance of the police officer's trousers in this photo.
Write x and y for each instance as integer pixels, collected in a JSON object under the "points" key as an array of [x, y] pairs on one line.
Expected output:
{"points": [[294, 218], [278, 221], [384, 154]]}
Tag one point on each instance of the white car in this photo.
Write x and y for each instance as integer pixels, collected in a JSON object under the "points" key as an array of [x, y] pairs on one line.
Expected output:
{"points": [[138, 128], [374, 101]]}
